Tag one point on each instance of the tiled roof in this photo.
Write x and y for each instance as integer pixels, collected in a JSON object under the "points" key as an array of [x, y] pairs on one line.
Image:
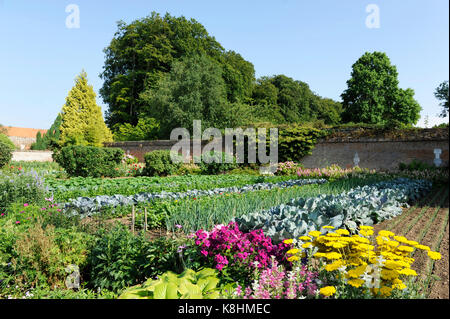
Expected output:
{"points": [[22, 131]]}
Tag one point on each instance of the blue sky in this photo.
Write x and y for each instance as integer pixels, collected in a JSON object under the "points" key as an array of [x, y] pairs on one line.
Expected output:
{"points": [[313, 41]]}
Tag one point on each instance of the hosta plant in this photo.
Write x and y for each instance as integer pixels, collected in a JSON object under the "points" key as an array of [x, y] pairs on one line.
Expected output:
{"points": [[187, 285]]}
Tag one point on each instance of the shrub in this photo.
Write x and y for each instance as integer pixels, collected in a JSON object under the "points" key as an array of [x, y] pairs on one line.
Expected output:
{"points": [[5, 154], [216, 162], [295, 142], [89, 161], [5, 139], [41, 254], [119, 259], [159, 163]]}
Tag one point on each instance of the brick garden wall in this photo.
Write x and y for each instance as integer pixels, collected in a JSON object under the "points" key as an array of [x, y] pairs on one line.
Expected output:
{"points": [[374, 150]]}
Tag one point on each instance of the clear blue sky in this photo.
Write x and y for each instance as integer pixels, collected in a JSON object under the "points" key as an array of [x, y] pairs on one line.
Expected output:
{"points": [[313, 41]]}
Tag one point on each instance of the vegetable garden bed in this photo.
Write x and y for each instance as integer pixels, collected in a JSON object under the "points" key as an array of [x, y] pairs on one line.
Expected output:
{"points": [[426, 221]]}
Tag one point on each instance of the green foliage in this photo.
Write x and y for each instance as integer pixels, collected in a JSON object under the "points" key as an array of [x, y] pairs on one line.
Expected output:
{"points": [[5, 154], [216, 162], [5, 139], [187, 285], [146, 129], [39, 256], [45, 293], [90, 161], [373, 95], [51, 138], [159, 163], [144, 51], [281, 99], [65, 189], [193, 90], [115, 259], [81, 118], [119, 259], [441, 93], [295, 142], [415, 165], [365, 205]]}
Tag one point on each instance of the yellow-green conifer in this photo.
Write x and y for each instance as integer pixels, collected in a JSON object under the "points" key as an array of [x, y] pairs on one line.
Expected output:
{"points": [[82, 120]]}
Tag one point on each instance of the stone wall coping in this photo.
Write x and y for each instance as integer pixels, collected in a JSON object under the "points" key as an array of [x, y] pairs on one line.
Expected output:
{"points": [[377, 140]]}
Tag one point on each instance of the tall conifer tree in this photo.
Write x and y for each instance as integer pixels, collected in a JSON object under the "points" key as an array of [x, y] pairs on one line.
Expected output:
{"points": [[81, 118]]}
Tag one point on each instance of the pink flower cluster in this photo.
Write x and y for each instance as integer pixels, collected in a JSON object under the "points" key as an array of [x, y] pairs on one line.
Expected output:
{"points": [[228, 246], [287, 168], [277, 283], [333, 171]]}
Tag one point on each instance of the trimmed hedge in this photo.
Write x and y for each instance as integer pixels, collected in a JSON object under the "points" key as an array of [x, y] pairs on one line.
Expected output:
{"points": [[89, 161], [159, 163]]}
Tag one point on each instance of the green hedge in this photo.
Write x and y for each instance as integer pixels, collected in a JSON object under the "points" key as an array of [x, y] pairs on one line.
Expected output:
{"points": [[89, 161], [159, 163]]}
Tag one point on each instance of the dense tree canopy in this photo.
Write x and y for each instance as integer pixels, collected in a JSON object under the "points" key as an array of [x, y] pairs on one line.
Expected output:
{"points": [[142, 52], [292, 101], [373, 95], [193, 90]]}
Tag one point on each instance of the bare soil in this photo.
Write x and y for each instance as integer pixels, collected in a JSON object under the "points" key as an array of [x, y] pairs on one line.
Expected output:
{"points": [[427, 222]]}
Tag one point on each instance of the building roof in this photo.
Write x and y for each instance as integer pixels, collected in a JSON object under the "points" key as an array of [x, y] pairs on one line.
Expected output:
{"points": [[22, 131]]}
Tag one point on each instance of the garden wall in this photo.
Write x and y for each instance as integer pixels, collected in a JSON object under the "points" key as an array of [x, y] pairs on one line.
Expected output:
{"points": [[375, 154], [40, 156], [375, 151]]}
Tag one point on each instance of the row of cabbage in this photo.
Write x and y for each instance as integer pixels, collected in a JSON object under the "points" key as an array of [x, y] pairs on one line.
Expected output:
{"points": [[87, 206], [65, 189], [362, 205]]}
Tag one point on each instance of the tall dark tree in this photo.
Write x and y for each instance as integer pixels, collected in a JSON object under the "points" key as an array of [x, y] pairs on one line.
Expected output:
{"points": [[373, 95]]}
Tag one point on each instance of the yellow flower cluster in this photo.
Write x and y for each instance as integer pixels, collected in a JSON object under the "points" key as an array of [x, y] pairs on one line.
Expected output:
{"points": [[379, 266]]}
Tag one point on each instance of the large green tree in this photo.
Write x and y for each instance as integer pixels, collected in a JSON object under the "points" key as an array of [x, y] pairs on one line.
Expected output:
{"points": [[193, 90], [373, 96], [281, 99], [81, 118], [142, 52]]}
